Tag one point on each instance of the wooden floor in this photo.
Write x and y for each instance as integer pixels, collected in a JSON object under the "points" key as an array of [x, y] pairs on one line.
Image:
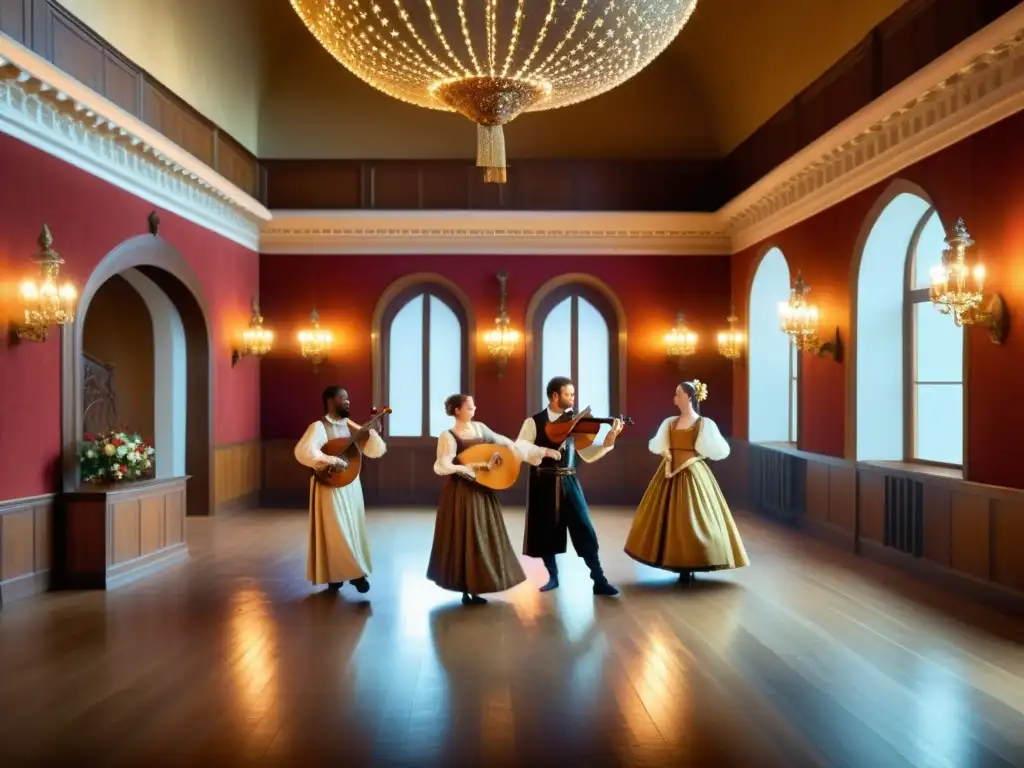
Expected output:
{"points": [[808, 657]]}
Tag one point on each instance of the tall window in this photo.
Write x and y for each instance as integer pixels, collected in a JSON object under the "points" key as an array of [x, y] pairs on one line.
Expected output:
{"points": [[576, 329], [773, 384], [424, 354], [909, 357]]}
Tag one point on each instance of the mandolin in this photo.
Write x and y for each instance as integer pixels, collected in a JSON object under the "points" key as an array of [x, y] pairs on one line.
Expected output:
{"points": [[583, 428], [496, 466], [351, 449]]}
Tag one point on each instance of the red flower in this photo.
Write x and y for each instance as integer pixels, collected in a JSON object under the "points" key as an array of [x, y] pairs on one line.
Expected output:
{"points": [[116, 443], [89, 436], [124, 469]]}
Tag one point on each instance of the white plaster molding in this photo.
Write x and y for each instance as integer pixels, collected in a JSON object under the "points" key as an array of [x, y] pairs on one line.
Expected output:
{"points": [[969, 88], [540, 233], [50, 110]]}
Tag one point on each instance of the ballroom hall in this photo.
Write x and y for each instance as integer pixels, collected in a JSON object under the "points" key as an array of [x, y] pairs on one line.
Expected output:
{"points": [[653, 420]]}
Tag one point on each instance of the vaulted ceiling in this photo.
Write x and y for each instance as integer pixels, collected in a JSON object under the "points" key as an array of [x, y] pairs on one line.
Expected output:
{"points": [[251, 66]]}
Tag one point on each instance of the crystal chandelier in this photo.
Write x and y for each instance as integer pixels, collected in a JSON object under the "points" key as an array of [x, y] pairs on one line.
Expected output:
{"points": [[315, 343], [730, 343], [492, 60], [256, 340], [680, 342], [959, 290], [45, 304], [799, 321], [502, 341]]}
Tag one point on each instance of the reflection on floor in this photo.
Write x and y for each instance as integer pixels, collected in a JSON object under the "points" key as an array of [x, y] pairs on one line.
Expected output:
{"points": [[807, 658]]}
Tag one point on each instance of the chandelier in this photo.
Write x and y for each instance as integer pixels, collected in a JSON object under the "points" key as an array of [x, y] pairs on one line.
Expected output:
{"points": [[256, 340], [492, 60], [730, 343], [44, 303], [680, 342], [959, 290], [315, 343], [799, 321], [502, 341]]}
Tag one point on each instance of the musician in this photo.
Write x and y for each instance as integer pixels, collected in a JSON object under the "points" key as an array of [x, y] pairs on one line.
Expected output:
{"points": [[683, 524], [338, 547], [555, 502], [471, 553]]}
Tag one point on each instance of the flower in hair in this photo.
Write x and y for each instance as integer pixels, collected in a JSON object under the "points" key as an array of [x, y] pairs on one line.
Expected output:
{"points": [[700, 389]]}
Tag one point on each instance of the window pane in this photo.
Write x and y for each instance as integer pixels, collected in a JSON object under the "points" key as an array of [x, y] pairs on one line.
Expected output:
{"points": [[794, 390], [555, 345], [445, 362], [939, 345], [593, 366], [928, 254], [405, 371], [939, 423]]}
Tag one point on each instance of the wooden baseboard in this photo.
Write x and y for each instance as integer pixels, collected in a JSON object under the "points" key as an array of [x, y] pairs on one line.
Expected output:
{"points": [[826, 533], [20, 587], [250, 500], [125, 573]]}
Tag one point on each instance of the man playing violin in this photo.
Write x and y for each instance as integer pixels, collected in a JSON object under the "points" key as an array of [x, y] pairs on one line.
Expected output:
{"points": [[555, 503], [338, 547]]}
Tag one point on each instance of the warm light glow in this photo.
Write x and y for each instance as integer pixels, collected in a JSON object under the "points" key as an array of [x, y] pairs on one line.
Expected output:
{"points": [[256, 340], [730, 343], [680, 342], [316, 342], [44, 304], [956, 288], [798, 319], [502, 341]]}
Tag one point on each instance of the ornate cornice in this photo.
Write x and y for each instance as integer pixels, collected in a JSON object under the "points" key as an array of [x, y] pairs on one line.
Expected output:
{"points": [[48, 109], [500, 232]]}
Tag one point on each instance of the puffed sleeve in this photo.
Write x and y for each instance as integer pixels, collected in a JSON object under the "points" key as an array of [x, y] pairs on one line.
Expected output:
{"points": [[710, 443], [307, 450], [526, 444]]}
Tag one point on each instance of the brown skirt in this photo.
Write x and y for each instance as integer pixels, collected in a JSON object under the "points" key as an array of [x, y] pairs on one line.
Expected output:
{"points": [[471, 551]]}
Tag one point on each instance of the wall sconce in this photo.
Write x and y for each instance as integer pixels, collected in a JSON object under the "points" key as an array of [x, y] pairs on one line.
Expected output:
{"points": [[44, 303], [959, 290], [730, 343], [800, 322], [256, 340], [502, 341], [315, 343], [680, 342]]}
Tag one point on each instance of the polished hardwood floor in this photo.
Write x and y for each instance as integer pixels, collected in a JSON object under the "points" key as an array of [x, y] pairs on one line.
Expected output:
{"points": [[808, 658]]}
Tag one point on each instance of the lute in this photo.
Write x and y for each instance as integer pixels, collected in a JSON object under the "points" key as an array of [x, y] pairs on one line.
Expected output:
{"points": [[351, 450], [495, 466]]}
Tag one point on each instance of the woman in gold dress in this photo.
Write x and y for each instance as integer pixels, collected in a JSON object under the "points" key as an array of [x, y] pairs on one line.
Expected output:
{"points": [[471, 552], [683, 523]]}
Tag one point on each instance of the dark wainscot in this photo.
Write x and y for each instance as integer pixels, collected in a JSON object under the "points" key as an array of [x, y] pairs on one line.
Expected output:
{"points": [[106, 536]]}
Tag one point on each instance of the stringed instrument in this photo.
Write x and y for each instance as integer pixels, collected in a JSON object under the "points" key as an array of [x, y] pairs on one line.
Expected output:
{"points": [[351, 449], [496, 466], [583, 428]]}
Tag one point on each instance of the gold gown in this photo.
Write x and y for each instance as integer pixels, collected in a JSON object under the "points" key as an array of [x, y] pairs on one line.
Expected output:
{"points": [[683, 523]]}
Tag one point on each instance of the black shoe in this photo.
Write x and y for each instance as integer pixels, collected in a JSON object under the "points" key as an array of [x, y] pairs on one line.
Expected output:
{"points": [[334, 586], [687, 579], [552, 584], [468, 599], [361, 584], [605, 589]]}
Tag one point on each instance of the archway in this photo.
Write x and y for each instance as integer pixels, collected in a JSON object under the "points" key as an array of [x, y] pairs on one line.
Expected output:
{"points": [[182, 388], [772, 385]]}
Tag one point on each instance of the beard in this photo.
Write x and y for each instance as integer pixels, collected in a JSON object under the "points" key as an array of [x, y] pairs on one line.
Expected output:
{"points": [[343, 412]]}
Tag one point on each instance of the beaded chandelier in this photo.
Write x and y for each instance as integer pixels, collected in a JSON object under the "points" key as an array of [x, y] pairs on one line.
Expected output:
{"points": [[492, 60]]}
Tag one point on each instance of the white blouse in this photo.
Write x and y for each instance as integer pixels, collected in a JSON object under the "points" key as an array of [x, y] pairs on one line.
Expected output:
{"points": [[447, 448], [309, 453]]}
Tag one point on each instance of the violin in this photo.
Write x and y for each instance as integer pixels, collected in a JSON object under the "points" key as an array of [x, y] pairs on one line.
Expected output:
{"points": [[582, 427]]}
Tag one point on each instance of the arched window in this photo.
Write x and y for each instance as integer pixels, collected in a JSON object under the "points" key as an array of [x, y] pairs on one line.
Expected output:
{"points": [[774, 364], [424, 358], [575, 333], [909, 358]]}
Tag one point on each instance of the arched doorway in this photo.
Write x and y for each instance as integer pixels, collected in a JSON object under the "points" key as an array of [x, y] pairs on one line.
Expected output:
{"points": [[152, 271], [773, 370]]}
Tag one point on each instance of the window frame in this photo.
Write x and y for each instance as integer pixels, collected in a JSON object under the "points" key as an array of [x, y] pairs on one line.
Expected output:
{"points": [[395, 305], [795, 363]]}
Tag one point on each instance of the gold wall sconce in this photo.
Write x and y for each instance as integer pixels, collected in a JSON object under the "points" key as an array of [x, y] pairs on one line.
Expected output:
{"points": [[315, 342], [730, 343], [799, 320], [958, 288], [680, 342], [44, 303], [256, 340], [501, 340]]}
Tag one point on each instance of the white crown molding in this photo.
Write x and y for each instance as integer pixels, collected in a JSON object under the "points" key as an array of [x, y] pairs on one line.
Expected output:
{"points": [[48, 109], [517, 233]]}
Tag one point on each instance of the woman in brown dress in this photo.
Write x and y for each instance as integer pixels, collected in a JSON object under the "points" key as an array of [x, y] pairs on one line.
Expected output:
{"points": [[683, 524], [471, 552]]}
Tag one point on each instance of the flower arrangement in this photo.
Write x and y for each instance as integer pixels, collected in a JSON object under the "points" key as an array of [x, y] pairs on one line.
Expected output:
{"points": [[114, 456]]}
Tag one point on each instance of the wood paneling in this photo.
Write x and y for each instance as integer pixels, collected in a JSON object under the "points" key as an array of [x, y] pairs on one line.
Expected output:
{"points": [[25, 544], [106, 536], [237, 474], [404, 476], [16, 20], [964, 535]]}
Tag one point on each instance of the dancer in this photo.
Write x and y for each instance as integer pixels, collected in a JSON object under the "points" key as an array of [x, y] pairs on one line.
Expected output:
{"points": [[338, 547], [683, 524], [471, 551], [555, 502]]}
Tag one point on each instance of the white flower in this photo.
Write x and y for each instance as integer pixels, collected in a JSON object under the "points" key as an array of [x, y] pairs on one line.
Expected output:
{"points": [[122, 450], [109, 449], [148, 464], [90, 454]]}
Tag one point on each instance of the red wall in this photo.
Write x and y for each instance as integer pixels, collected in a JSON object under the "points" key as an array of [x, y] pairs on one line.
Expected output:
{"points": [[88, 218], [345, 291], [978, 179]]}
